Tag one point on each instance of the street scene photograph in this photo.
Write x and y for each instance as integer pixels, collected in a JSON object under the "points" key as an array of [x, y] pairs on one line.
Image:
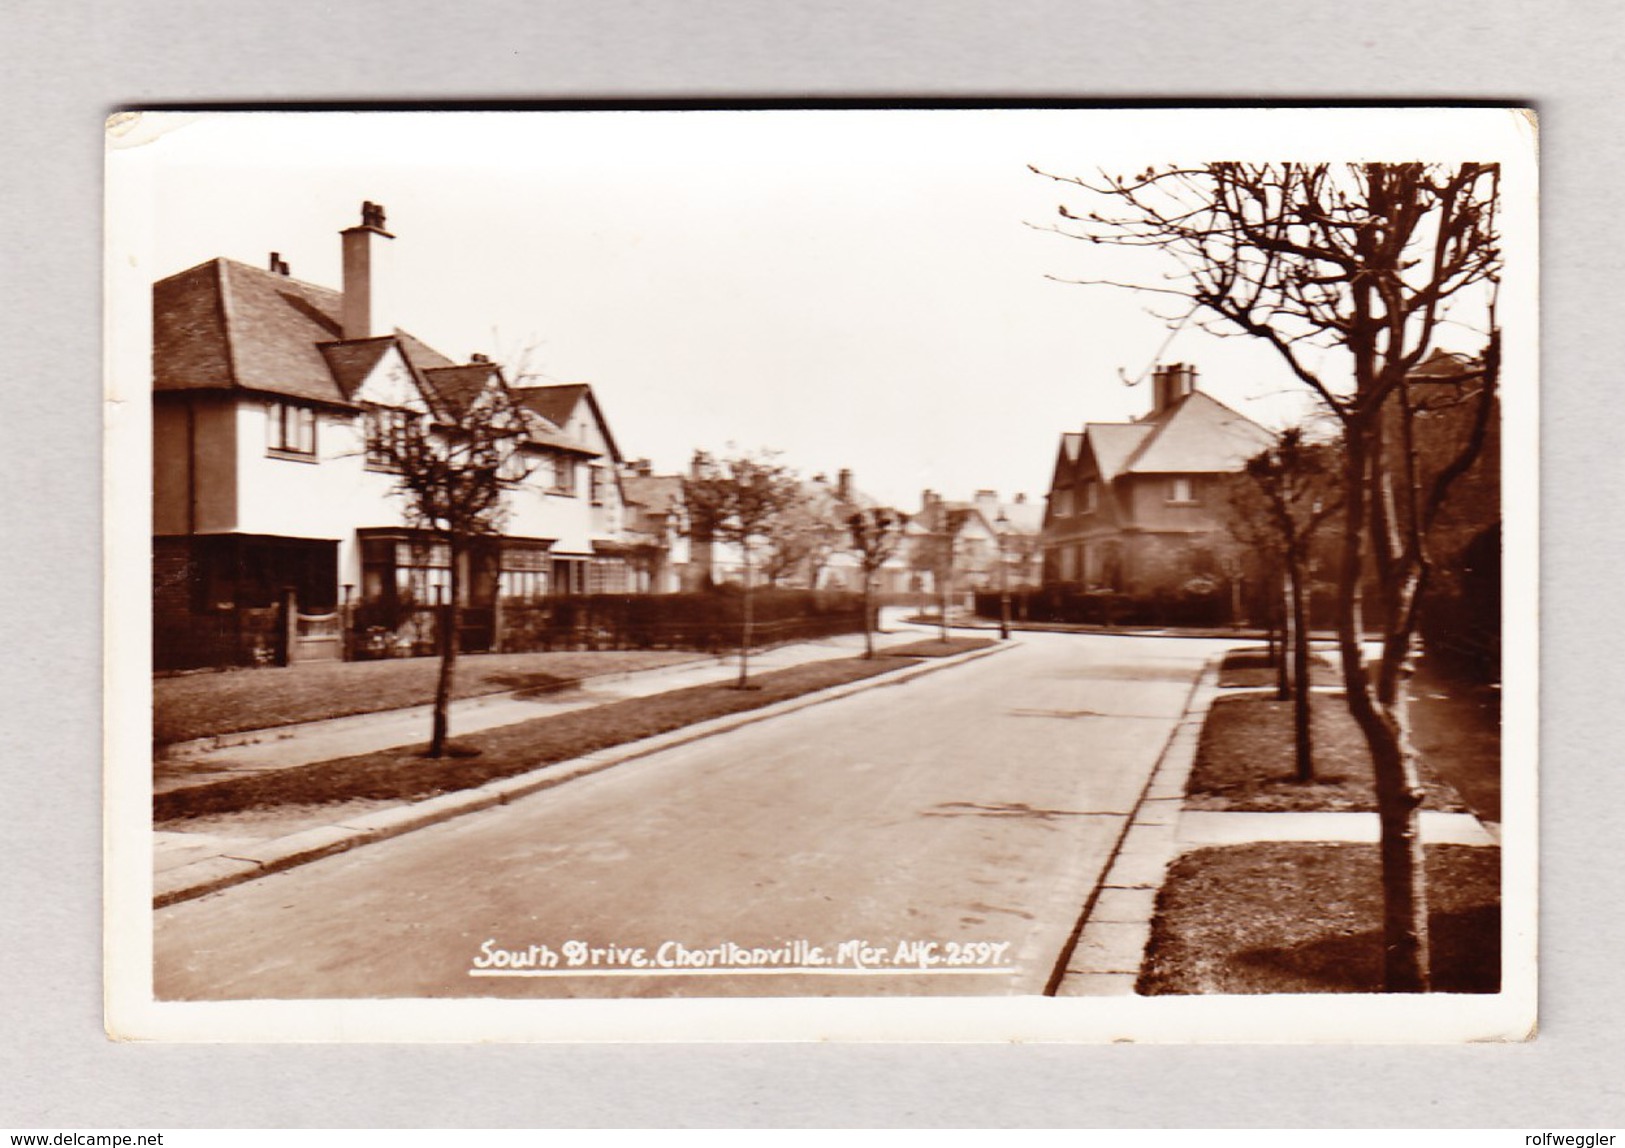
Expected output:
{"points": [[1074, 566]]}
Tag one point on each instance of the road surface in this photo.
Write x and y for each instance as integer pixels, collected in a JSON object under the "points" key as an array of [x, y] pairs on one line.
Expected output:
{"points": [[939, 836]]}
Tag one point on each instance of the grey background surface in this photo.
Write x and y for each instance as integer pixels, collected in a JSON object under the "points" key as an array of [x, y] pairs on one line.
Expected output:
{"points": [[69, 64]]}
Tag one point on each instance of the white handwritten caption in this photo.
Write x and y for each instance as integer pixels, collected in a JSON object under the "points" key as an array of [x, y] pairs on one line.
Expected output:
{"points": [[791, 958]]}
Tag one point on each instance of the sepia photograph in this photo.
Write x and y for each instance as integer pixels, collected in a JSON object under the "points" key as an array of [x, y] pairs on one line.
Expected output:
{"points": [[926, 573]]}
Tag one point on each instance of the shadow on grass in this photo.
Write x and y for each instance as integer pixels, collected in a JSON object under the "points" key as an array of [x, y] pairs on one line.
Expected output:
{"points": [[1306, 917], [1466, 957], [533, 685]]}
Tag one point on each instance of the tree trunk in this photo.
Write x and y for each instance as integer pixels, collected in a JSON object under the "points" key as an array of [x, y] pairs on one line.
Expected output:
{"points": [[449, 625], [744, 641], [1283, 658], [1301, 726], [868, 615], [1404, 887]]}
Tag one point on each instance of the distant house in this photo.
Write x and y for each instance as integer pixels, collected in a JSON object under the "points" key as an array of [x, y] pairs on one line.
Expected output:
{"points": [[821, 558], [656, 528], [267, 391], [841, 568], [979, 537], [1136, 507]]}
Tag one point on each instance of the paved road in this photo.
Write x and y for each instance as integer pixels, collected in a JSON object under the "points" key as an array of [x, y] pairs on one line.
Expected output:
{"points": [[974, 807]]}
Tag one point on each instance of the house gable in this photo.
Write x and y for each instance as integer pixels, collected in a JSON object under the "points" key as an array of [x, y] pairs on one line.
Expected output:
{"points": [[373, 372], [574, 409]]}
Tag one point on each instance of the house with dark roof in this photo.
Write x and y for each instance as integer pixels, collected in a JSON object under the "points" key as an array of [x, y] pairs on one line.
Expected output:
{"points": [[266, 393], [1137, 507]]}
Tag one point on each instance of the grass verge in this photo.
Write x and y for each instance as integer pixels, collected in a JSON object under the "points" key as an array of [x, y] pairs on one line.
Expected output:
{"points": [[1306, 917], [1245, 761], [231, 701], [403, 774], [1254, 669], [936, 648]]}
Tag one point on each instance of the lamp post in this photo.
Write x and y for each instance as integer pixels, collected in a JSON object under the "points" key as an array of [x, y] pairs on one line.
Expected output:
{"points": [[1002, 526]]}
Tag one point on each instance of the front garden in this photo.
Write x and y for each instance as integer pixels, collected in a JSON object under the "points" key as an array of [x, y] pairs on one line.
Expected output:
{"points": [[1292, 916]]}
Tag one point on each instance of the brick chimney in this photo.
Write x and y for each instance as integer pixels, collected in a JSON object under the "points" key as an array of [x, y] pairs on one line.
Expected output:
{"points": [[365, 275], [1171, 383], [843, 484]]}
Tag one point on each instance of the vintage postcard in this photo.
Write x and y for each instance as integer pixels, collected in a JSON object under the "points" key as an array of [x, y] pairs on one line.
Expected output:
{"points": [[928, 574]]}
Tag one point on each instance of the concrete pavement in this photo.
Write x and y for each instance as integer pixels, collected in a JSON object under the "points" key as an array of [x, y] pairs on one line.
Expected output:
{"points": [[1108, 948]]}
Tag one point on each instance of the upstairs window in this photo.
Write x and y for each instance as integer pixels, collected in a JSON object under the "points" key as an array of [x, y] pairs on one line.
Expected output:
{"points": [[564, 474], [595, 485], [1181, 489], [1090, 496], [290, 429], [386, 431], [1063, 503]]}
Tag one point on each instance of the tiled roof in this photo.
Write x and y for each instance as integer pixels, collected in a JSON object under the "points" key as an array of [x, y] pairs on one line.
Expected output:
{"points": [[351, 362], [226, 324], [558, 403], [658, 493], [1198, 435], [1114, 444], [451, 390], [420, 355], [1023, 517]]}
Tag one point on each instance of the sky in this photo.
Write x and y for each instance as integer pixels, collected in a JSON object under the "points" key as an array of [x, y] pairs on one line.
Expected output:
{"points": [[871, 290]]}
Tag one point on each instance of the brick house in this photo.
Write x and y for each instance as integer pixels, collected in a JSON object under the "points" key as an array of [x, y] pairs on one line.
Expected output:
{"points": [[265, 392], [1137, 507]]}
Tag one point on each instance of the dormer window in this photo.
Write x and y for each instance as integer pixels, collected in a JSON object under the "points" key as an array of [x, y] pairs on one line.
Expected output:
{"points": [[290, 431]]}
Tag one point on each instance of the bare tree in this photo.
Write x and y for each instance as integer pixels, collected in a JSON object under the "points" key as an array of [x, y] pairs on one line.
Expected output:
{"points": [[736, 500], [454, 449], [935, 552], [876, 534], [1347, 272], [802, 538], [1284, 495]]}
